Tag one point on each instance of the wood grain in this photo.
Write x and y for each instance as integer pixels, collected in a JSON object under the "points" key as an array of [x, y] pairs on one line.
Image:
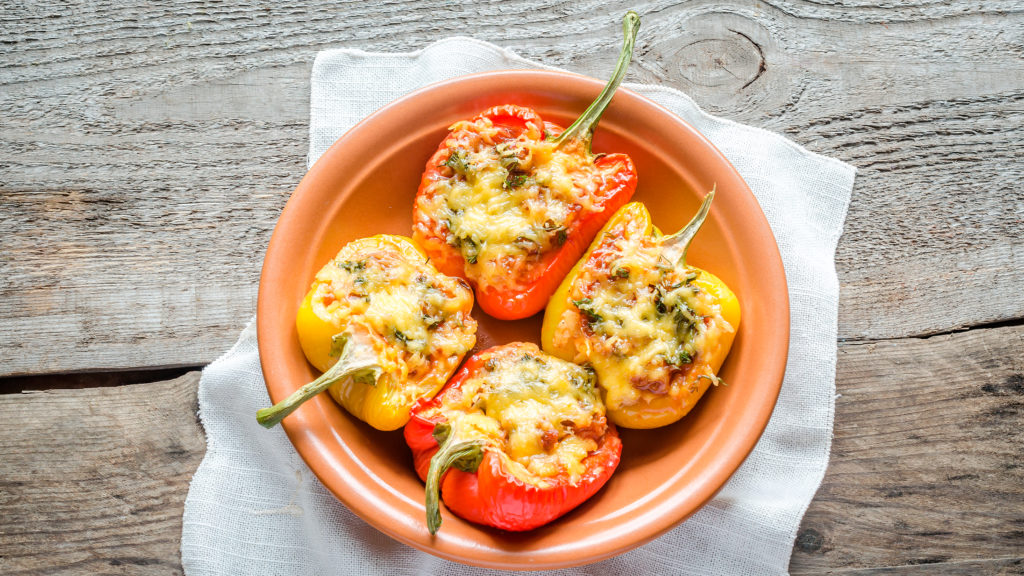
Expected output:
{"points": [[94, 481], [146, 151], [927, 476], [997, 567], [926, 462]]}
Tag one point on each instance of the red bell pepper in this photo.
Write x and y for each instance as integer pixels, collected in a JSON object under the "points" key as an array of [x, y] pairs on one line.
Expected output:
{"points": [[515, 439], [510, 202]]}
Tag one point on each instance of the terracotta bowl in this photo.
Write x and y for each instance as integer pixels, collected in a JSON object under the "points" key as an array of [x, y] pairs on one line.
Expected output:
{"points": [[365, 185]]}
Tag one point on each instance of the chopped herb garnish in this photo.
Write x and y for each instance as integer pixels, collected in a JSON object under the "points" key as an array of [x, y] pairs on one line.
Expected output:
{"points": [[509, 159], [584, 384], [352, 266], [528, 245], [450, 238], [401, 337], [458, 161], [530, 358], [514, 179], [432, 321], [684, 315], [586, 306], [559, 232], [685, 331], [679, 318], [659, 303], [453, 212], [507, 156], [680, 358], [506, 150], [470, 250]]}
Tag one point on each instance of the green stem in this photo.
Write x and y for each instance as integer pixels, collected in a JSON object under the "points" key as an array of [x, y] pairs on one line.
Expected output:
{"points": [[583, 127], [676, 245], [354, 361], [464, 455]]}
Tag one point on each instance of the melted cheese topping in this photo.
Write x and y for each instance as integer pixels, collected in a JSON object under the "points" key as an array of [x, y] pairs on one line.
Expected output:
{"points": [[640, 317], [541, 413], [416, 318], [504, 203]]}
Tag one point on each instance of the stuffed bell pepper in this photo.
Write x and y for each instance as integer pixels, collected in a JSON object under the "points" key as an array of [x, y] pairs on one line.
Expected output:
{"points": [[655, 329], [384, 327], [516, 439], [510, 201]]}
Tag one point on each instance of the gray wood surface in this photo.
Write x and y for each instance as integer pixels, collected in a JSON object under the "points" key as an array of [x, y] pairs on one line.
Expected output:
{"points": [[93, 481], [926, 465], [926, 475], [146, 152]]}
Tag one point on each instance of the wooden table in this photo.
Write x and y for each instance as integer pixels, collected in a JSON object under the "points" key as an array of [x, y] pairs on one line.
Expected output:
{"points": [[146, 152]]}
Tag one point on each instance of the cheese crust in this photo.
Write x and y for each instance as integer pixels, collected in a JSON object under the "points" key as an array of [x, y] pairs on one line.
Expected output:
{"points": [[542, 415], [646, 324], [507, 204], [417, 319]]}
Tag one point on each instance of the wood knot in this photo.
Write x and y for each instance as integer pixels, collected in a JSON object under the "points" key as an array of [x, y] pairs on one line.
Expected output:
{"points": [[1013, 385], [809, 541], [733, 61]]}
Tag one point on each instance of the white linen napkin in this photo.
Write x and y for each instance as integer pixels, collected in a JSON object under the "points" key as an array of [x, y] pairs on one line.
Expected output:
{"points": [[254, 507]]}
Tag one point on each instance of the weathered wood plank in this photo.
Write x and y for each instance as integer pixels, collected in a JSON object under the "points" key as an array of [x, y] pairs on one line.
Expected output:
{"points": [[94, 481], [927, 476], [147, 150], [16, 384], [996, 567], [926, 462]]}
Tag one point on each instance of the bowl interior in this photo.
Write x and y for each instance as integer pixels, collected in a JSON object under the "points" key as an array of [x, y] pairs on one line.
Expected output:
{"points": [[365, 184]]}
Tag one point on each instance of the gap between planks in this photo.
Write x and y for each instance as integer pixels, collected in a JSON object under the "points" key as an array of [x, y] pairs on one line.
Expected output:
{"points": [[924, 472]]}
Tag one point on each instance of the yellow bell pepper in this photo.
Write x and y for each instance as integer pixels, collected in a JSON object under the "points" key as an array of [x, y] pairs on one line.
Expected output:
{"points": [[385, 328], [654, 329]]}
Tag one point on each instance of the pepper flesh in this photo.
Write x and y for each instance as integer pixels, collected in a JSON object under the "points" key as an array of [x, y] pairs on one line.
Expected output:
{"points": [[655, 329], [385, 327], [510, 444], [510, 201]]}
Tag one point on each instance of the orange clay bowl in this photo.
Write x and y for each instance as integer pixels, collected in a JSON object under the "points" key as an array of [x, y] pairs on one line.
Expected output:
{"points": [[365, 184]]}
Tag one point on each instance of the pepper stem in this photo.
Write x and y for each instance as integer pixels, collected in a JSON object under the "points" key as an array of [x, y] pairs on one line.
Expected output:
{"points": [[353, 361], [676, 245], [583, 127], [464, 455]]}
